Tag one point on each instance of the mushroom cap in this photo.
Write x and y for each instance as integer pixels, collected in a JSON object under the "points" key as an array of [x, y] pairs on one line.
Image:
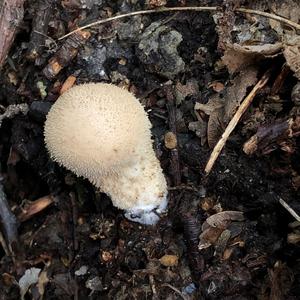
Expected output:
{"points": [[94, 129]]}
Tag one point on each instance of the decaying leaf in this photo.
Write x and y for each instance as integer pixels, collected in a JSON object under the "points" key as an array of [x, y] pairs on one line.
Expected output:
{"points": [[237, 57], [200, 129], [30, 277], [292, 54], [184, 90], [222, 241], [219, 228], [209, 237], [273, 136], [289, 9], [221, 219], [221, 110]]}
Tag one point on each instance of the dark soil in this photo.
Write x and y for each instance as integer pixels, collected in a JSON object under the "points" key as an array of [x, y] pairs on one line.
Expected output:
{"points": [[81, 230]]}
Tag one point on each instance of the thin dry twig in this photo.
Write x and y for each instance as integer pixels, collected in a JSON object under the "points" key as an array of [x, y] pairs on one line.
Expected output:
{"points": [[153, 287], [35, 207], [289, 209], [232, 124], [175, 290], [190, 8], [11, 15]]}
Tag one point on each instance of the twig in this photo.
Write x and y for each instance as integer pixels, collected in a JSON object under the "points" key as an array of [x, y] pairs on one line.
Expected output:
{"points": [[9, 225], [175, 290], [232, 124], [270, 137], [65, 54], [270, 16], [74, 220], [191, 8], [153, 287], [11, 15], [289, 209], [35, 207], [174, 155]]}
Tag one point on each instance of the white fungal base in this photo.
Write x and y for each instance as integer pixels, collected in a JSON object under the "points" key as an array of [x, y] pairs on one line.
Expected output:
{"points": [[147, 214], [139, 188]]}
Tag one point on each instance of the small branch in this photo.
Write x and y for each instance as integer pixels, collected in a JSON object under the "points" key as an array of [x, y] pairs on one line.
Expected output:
{"points": [[289, 209], [74, 220], [191, 8], [153, 287], [9, 225], [35, 207], [232, 124], [174, 154], [270, 137], [65, 54], [11, 15], [270, 16]]}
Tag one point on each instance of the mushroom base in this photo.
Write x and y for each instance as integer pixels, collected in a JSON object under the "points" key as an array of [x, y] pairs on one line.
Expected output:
{"points": [[139, 188], [148, 215]]}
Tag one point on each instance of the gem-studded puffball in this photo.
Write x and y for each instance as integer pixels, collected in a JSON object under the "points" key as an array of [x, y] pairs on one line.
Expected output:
{"points": [[101, 132]]}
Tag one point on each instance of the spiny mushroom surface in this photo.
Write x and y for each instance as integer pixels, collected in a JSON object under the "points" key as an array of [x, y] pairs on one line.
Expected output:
{"points": [[101, 132]]}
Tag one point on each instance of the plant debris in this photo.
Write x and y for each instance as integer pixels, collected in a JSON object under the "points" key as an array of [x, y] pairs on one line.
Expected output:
{"points": [[220, 84]]}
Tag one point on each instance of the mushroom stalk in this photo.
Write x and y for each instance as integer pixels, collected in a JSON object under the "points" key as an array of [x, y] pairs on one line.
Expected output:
{"points": [[101, 132]]}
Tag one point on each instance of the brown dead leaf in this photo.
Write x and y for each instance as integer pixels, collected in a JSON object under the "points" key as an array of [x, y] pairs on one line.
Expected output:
{"points": [[34, 207], [209, 237], [219, 228], [217, 86], [200, 129], [289, 9], [291, 53], [236, 93], [221, 219], [222, 241], [184, 90], [221, 110], [237, 57]]}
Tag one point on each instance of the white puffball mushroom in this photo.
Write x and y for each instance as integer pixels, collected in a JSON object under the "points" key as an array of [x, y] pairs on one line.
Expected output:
{"points": [[101, 132]]}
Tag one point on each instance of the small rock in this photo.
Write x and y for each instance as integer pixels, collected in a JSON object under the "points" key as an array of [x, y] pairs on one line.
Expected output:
{"points": [[170, 140], [158, 50], [38, 110], [169, 260], [82, 271], [94, 284]]}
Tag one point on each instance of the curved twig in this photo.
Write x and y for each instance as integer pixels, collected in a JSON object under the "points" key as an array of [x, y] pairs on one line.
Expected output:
{"points": [[190, 8]]}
